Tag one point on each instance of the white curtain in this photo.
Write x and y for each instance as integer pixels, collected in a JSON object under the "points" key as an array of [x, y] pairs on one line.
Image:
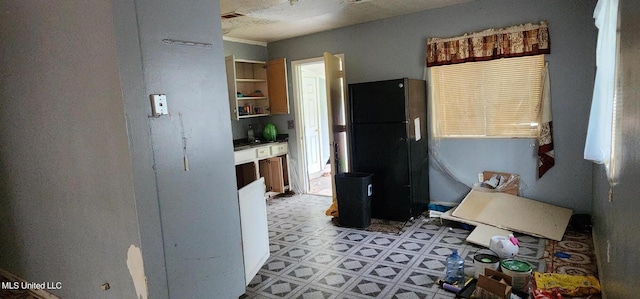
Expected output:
{"points": [[599, 134]]}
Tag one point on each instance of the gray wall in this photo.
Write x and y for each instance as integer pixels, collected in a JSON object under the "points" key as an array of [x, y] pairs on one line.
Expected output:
{"points": [[67, 205], [245, 51], [395, 47], [196, 212], [616, 222], [137, 113], [86, 172]]}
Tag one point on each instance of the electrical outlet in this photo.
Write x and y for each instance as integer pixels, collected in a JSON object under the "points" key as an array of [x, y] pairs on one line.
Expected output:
{"points": [[480, 177], [290, 125], [159, 105]]}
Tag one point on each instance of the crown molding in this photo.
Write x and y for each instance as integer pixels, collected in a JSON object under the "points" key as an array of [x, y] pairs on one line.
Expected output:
{"points": [[244, 41]]}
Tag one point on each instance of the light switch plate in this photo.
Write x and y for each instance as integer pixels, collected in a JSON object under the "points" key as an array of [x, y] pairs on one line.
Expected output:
{"points": [[159, 105]]}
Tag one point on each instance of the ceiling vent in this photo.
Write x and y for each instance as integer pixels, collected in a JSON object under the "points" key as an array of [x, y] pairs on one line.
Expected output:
{"points": [[231, 15]]}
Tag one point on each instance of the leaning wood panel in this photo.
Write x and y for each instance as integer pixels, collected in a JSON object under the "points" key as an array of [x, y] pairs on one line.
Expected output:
{"points": [[515, 213]]}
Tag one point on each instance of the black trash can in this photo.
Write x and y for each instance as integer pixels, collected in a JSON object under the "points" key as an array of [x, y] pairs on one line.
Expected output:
{"points": [[353, 191]]}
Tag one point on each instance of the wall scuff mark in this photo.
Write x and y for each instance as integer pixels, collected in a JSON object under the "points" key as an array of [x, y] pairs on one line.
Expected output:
{"points": [[136, 269]]}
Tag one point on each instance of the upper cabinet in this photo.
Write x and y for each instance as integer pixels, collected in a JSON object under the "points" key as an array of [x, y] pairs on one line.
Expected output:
{"points": [[257, 88]]}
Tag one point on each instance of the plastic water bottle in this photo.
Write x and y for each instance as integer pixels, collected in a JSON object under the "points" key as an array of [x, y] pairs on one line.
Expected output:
{"points": [[250, 136], [455, 269]]}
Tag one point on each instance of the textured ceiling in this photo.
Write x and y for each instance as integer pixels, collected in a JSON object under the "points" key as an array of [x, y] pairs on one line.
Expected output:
{"points": [[273, 20]]}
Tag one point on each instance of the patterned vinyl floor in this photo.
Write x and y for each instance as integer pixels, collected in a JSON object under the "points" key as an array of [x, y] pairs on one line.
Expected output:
{"points": [[313, 258]]}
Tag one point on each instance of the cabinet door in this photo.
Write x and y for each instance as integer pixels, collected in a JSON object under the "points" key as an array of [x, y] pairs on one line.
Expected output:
{"points": [[253, 224], [277, 85], [277, 177], [272, 171], [231, 86]]}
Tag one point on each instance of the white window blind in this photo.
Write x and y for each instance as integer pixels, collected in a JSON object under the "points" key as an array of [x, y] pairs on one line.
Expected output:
{"points": [[488, 99]]}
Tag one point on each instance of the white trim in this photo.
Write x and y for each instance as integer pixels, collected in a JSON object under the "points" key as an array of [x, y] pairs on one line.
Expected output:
{"points": [[298, 114], [244, 41]]}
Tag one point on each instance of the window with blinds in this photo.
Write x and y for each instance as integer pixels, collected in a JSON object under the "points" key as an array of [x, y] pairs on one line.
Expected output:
{"points": [[488, 99]]}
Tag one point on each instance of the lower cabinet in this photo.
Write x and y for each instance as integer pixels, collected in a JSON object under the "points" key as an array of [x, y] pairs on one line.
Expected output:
{"points": [[245, 174], [253, 223], [269, 162], [274, 171], [260, 172]]}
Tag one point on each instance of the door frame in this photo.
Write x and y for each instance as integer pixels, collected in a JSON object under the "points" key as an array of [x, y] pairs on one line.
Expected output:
{"points": [[296, 74]]}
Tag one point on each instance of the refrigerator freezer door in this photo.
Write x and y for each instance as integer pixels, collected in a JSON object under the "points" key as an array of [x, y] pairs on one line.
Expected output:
{"points": [[382, 149], [378, 102]]}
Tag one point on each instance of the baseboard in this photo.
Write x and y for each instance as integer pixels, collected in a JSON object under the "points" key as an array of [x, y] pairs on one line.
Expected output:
{"points": [[596, 250]]}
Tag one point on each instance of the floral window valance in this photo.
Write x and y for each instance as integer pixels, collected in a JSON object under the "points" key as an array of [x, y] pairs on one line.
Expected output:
{"points": [[515, 41]]}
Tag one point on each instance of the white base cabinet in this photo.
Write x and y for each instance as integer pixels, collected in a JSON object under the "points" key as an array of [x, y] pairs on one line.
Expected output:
{"points": [[268, 161], [260, 172]]}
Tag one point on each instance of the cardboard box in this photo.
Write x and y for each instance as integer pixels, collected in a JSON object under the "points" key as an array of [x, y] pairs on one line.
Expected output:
{"points": [[511, 183], [493, 285]]}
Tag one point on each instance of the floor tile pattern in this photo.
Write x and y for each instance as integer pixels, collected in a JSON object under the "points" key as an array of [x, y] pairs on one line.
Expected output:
{"points": [[311, 257]]}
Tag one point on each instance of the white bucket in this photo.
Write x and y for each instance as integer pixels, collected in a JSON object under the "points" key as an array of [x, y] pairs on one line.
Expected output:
{"points": [[518, 270], [483, 261]]}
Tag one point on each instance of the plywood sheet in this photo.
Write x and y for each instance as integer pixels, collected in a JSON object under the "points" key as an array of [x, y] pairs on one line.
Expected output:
{"points": [[482, 234], [447, 216], [514, 213]]}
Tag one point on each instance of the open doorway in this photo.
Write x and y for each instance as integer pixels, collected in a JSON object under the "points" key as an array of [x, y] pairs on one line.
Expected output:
{"points": [[312, 100], [312, 112]]}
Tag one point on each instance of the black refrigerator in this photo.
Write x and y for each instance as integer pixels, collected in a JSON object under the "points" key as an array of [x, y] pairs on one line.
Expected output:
{"points": [[388, 136]]}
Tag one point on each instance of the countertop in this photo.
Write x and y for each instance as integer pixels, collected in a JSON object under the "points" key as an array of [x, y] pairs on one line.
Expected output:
{"points": [[242, 144]]}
